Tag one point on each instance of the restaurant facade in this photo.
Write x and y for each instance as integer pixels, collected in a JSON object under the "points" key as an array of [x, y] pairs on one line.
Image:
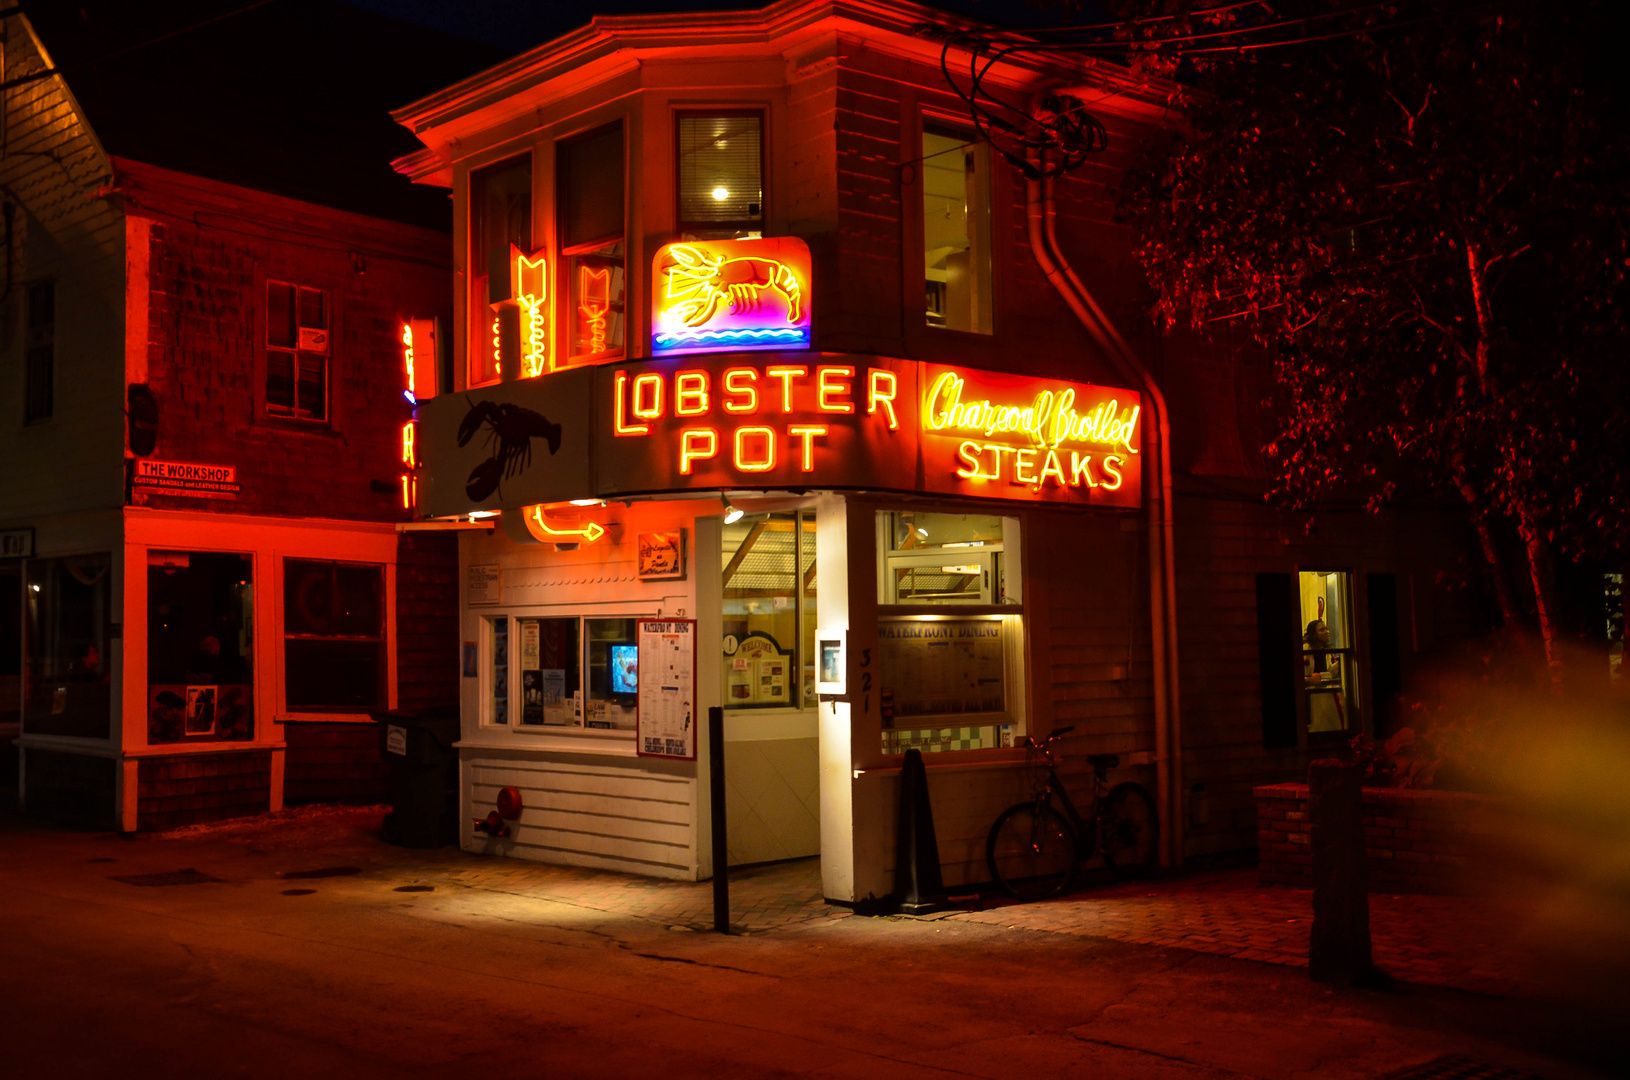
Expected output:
{"points": [[775, 389]]}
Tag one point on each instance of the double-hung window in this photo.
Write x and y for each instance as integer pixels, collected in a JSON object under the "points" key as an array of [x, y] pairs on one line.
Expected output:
{"points": [[956, 230], [500, 215], [720, 175], [297, 351], [1329, 661], [589, 178], [333, 636]]}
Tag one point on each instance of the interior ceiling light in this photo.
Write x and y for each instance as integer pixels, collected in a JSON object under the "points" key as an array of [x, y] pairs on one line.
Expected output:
{"points": [[477, 515], [588, 502], [732, 513], [721, 194]]}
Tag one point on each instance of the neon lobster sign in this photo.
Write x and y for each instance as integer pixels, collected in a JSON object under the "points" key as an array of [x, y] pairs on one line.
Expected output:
{"points": [[730, 295]]}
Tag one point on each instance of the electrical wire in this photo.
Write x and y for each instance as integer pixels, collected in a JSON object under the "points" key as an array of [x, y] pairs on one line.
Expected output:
{"points": [[1061, 132]]}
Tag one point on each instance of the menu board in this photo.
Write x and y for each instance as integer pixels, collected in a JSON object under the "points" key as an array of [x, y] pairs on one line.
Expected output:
{"points": [[941, 667], [666, 700]]}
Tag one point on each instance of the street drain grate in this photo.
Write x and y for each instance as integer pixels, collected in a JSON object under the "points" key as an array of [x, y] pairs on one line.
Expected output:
{"points": [[298, 892], [172, 877], [326, 871], [1459, 1067], [415, 888]]}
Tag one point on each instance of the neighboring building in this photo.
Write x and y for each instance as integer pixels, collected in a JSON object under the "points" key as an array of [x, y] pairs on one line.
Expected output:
{"points": [[204, 592], [907, 573]]}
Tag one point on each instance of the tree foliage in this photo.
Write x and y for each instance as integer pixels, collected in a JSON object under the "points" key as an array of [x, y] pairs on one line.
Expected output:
{"points": [[1424, 216]]}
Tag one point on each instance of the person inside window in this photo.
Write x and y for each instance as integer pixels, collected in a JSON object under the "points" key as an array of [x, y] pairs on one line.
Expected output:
{"points": [[1322, 680]]}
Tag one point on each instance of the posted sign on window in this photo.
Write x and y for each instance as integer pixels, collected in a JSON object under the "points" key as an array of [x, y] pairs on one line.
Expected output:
{"points": [[666, 693]]}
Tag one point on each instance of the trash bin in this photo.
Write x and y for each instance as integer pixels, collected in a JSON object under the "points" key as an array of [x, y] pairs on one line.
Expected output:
{"points": [[417, 748]]}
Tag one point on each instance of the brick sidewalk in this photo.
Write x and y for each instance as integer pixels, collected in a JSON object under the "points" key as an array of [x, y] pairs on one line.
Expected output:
{"points": [[1455, 941], [1458, 941], [762, 898]]}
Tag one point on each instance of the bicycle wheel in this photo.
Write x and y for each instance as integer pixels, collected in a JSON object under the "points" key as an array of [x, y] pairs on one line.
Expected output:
{"points": [[1129, 830], [1031, 854]]}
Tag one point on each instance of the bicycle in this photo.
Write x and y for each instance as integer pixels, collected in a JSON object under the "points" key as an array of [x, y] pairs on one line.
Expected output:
{"points": [[1035, 846]]}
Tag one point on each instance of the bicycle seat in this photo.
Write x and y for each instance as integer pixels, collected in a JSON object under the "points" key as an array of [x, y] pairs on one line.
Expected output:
{"points": [[1103, 761]]}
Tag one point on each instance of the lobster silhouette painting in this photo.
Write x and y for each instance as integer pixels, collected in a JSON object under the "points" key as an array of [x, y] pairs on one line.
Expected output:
{"points": [[510, 430], [703, 282]]}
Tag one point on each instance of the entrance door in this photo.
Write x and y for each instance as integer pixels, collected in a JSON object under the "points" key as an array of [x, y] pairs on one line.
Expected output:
{"points": [[772, 766]]}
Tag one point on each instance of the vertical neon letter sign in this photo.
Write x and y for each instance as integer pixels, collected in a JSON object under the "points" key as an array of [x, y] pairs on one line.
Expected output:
{"points": [[531, 290]]}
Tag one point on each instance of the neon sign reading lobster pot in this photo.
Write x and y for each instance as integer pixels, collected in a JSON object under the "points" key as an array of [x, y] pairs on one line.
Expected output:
{"points": [[713, 295]]}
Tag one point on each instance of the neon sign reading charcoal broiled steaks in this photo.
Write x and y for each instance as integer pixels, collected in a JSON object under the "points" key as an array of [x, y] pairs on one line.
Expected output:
{"points": [[730, 295], [817, 420]]}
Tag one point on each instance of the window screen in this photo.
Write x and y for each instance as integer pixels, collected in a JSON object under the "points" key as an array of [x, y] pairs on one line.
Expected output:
{"points": [[721, 175]]}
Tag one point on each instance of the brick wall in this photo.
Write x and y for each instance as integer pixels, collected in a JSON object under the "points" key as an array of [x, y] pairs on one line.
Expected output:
{"points": [[191, 788], [1414, 841], [427, 641], [211, 250], [337, 762]]}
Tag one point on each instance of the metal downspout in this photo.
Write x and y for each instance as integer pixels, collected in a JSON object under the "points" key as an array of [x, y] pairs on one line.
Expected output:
{"points": [[1040, 214]]}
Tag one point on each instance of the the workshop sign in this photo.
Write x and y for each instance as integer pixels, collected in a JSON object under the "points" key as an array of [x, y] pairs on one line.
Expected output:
{"points": [[186, 479]]}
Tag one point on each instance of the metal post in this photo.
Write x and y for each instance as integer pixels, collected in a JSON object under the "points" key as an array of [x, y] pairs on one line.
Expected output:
{"points": [[721, 847]]}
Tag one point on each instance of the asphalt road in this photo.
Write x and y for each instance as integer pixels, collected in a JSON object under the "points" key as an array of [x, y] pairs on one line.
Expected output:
{"points": [[266, 974]]}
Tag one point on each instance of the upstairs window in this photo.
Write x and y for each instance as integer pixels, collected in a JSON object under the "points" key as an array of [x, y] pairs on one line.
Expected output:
{"points": [[500, 215], [720, 163], [40, 373], [296, 351], [956, 231], [589, 172]]}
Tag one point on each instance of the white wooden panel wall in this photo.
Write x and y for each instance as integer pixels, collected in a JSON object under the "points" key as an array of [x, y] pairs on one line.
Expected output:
{"points": [[633, 815]]}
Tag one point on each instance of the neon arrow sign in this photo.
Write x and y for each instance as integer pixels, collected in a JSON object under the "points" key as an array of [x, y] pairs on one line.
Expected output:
{"points": [[539, 527]]}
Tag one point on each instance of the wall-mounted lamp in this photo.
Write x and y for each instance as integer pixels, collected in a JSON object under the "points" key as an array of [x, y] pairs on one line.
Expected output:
{"points": [[732, 513]]}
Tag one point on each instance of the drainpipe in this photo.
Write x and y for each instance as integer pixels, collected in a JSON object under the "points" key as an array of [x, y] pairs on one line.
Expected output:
{"points": [[1040, 213]]}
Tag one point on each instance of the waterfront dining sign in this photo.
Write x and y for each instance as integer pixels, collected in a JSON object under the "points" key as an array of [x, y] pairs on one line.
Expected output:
{"points": [[779, 420]]}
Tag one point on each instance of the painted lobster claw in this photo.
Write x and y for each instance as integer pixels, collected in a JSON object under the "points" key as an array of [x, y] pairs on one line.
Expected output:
{"points": [[481, 412]]}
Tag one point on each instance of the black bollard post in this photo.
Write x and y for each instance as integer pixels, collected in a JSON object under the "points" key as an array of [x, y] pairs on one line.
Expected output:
{"points": [[1339, 949], [918, 887], [721, 845]]}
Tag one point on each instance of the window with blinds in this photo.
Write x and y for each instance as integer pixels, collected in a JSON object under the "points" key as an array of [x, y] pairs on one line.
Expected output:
{"points": [[721, 175]]}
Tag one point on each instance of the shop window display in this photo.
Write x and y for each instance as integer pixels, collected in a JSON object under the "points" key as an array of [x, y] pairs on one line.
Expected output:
{"points": [[769, 611], [571, 672], [200, 633], [949, 681], [1328, 661]]}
